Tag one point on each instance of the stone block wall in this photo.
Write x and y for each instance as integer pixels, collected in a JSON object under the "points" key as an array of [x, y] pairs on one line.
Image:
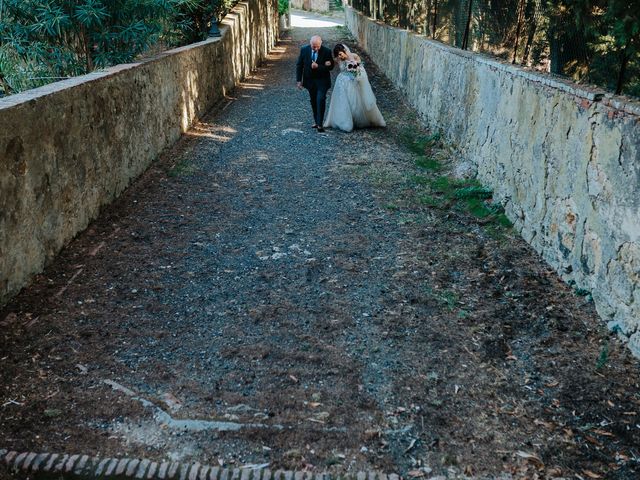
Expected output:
{"points": [[564, 160], [68, 148], [311, 5]]}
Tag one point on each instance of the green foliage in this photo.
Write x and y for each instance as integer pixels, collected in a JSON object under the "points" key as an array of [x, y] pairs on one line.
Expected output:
{"points": [[473, 192], [428, 163], [603, 358], [182, 169], [464, 194], [45, 40], [283, 7], [595, 41], [418, 144], [192, 19], [590, 41]]}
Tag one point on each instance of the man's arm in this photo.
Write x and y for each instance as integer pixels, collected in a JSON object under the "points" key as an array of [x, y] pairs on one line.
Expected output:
{"points": [[323, 67], [300, 66]]}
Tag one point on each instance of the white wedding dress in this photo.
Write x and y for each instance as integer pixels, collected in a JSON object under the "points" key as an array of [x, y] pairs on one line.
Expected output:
{"points": [[353, 104]]}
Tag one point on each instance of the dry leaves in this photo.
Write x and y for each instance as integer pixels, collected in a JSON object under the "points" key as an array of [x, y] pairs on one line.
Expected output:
{"points": [[530, 457], [591, 474]]}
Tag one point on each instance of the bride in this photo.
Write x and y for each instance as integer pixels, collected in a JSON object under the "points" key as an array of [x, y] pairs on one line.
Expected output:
{"points": [[353, 104]]}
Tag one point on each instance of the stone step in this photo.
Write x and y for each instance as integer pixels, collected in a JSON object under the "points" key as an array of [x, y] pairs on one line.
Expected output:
{"points": [[36, 466]]}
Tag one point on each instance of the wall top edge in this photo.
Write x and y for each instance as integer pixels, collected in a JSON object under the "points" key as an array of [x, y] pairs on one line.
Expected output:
{"points": [[587, 92]]}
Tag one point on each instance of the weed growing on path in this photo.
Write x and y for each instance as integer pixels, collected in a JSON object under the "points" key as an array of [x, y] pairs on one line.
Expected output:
{"points": [[183, 168], [437, 190]]}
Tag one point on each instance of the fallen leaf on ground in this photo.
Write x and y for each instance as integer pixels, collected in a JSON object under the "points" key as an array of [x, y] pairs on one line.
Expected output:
{"points": [[547, 425], [321, 415], [530, 457], [371, 433], [622, 456], [591, 474], [554, 472], [9, 319], [592, 440], [411, 445], [416, 473]]}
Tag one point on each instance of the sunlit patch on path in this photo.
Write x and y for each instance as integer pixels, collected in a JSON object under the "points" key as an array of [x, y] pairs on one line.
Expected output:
{"points": [[301, 19]]}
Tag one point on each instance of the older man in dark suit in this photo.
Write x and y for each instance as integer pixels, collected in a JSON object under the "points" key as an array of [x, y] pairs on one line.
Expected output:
{"points": [[313, 72]]}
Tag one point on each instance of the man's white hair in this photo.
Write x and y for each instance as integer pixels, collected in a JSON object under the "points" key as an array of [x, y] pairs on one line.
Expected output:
{"points": [[316, 37]]}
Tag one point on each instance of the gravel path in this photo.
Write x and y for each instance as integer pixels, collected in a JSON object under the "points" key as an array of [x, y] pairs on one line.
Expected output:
{"points": [[268, 294]]}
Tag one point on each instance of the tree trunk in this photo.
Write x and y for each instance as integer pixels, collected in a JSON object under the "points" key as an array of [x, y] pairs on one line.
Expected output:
{"points": [[467, 28], [435, 19], [530, 37], [87, 50], [5, 86], [623, 70], [521, 7]]}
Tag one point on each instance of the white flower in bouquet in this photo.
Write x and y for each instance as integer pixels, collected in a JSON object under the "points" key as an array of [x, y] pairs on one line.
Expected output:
{"points": [[353, 68]]}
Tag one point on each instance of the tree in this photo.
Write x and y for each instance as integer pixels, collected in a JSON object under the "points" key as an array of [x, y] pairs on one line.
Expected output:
{"points": [[193, 17], [568, 38], [44, 40], [623, 19]]}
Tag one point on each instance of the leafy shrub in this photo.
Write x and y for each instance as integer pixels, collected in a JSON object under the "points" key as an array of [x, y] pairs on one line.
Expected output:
{"points": [[45, 40]]}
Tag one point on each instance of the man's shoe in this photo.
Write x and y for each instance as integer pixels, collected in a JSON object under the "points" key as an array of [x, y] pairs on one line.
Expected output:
{"points": [[314, 126], [320, 129]]}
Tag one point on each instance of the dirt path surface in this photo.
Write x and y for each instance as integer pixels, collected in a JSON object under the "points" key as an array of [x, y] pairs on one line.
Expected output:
{"points": [[265, 294]]}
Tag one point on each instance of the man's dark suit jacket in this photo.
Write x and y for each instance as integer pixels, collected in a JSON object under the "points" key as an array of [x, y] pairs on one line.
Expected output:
{"points": [[320, 76]]}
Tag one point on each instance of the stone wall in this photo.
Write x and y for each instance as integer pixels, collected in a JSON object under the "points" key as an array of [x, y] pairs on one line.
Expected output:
{"points": [[68, 148], [564, 160], [311, 5]]}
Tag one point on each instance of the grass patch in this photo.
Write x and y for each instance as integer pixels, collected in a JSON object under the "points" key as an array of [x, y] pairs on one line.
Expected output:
{"points": [[447, 298], [603, 358], [439, 191], [430, 201], [466, 195], [183, 168], [428, 163], [473, 192], [418, 143], [384, 177], [420, 179]]}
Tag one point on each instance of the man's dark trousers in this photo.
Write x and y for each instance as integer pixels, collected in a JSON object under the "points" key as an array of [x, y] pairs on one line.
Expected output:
{"points": [[318, 97], [317, 81]]}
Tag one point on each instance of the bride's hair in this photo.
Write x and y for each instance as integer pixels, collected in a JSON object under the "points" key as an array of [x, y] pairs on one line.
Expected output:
{"points": [[339, 48]]}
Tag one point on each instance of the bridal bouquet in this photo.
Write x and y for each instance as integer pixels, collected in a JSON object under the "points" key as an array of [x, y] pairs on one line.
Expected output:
{"points": [[353, 68]]}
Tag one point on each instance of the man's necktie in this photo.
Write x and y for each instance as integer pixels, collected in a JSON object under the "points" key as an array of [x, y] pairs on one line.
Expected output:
{"points": [[314, 56]]}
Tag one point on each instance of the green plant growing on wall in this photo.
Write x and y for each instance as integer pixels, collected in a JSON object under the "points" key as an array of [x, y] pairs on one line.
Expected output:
{"points": [[283, 7], [193, 18]]}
